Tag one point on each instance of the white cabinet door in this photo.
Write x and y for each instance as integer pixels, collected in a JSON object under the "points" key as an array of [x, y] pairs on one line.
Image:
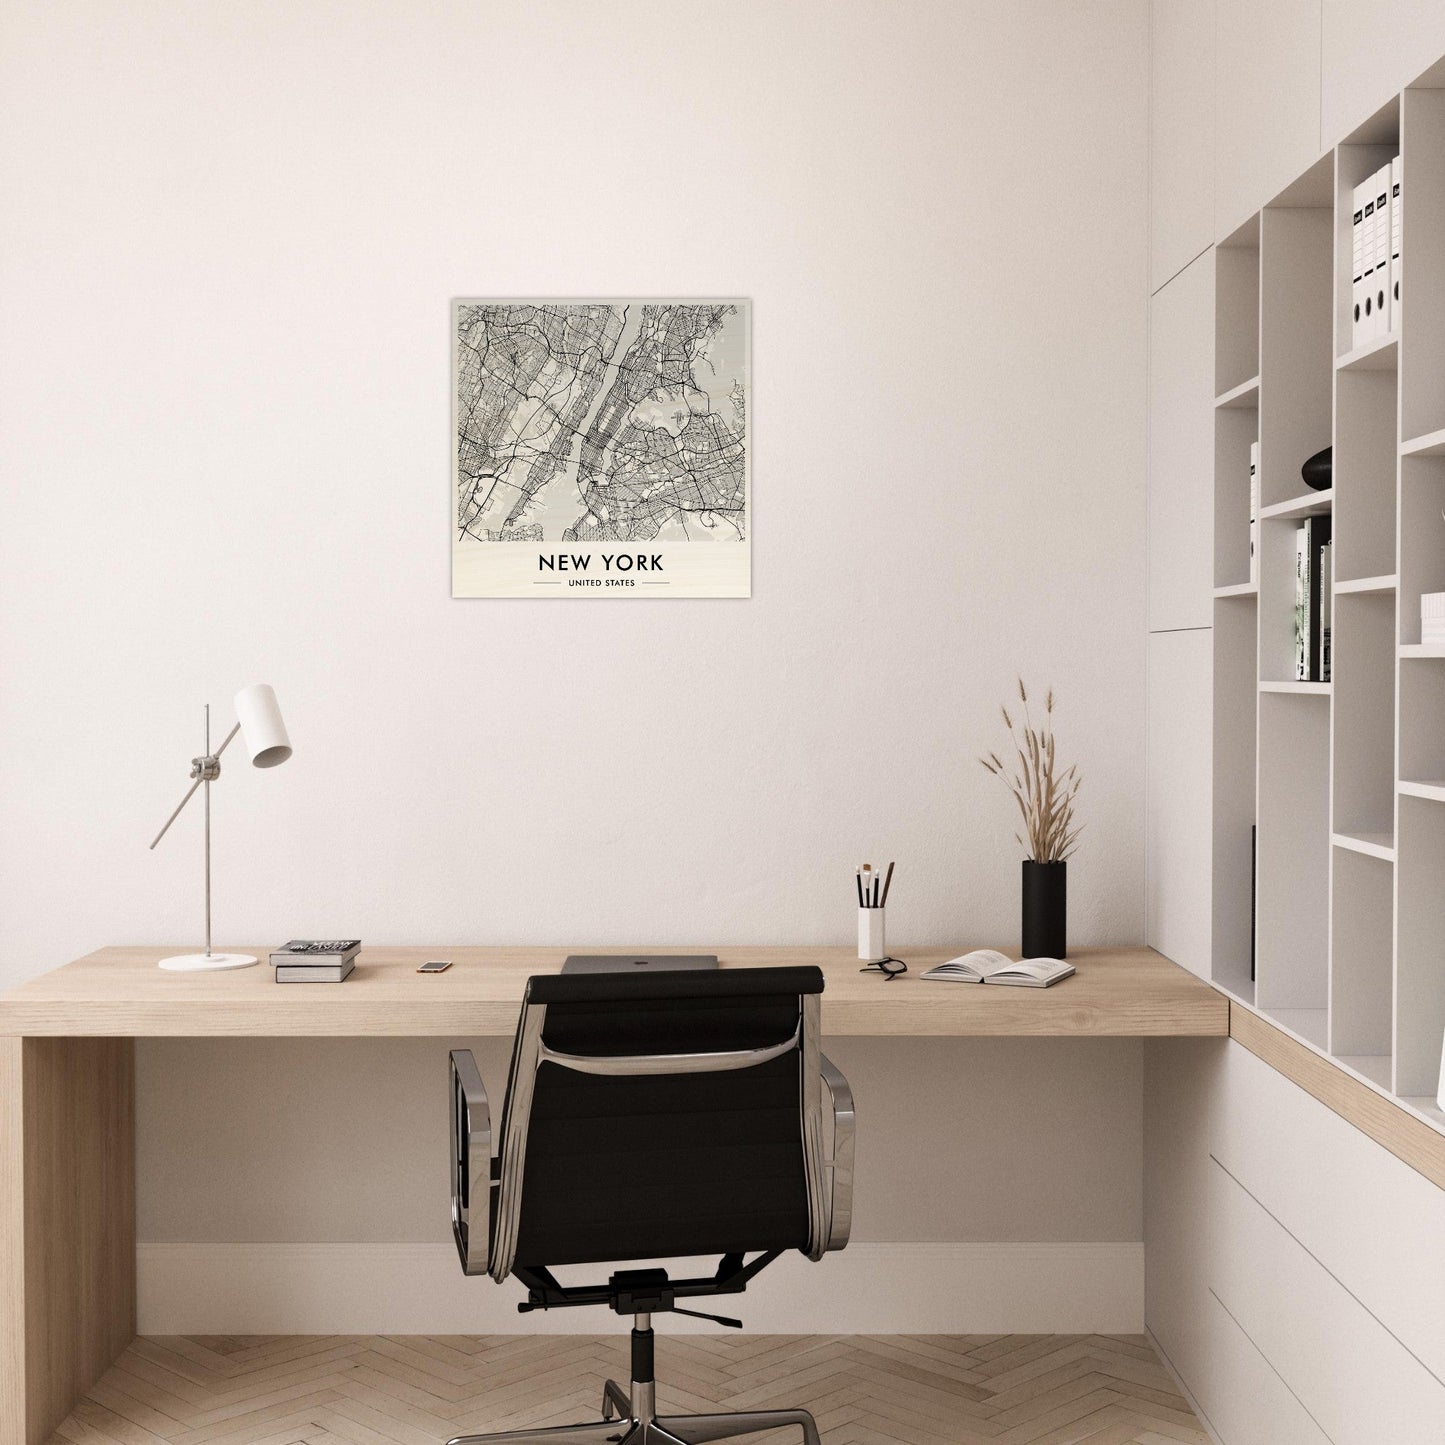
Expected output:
{"points": [[1181, 135], [1266, 102], [1371, 49], [1178, 807], [1181, 450]]}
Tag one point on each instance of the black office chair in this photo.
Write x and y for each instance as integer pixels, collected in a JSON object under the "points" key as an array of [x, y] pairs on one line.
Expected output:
{"points": [[650, 1117]]}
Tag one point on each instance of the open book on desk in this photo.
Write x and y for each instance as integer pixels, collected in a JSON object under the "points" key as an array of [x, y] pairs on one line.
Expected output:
{"points": [[987, 965]]}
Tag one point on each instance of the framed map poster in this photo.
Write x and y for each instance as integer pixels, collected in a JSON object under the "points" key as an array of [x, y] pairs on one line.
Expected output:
{"points": [[601, 449]]}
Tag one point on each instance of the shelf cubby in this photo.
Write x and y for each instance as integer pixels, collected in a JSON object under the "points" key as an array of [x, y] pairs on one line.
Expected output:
{"points": [[1422, 251], [1365, 461], [1236, 701], [1236, 302], [1363, 685], [1296, 329], [1235, 430], [1276, 601], [1373, 145], [1292, 943], [1422, 537], [1362, 956], [1420, 961], [1422, 725]]}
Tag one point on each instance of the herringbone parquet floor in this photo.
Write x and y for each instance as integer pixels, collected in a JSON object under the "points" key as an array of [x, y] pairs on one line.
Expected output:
{"points": [[420, 1390]]}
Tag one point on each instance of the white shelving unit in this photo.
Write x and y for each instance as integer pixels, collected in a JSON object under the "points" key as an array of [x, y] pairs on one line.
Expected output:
{"points": [[1335, 790]]}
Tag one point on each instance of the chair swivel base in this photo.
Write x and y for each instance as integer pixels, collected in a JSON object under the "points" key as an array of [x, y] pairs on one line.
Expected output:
{"points": [[629, 1420]]}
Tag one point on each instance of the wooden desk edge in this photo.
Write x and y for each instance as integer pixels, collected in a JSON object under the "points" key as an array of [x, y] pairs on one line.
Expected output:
{"points": [[1163, 1001]]}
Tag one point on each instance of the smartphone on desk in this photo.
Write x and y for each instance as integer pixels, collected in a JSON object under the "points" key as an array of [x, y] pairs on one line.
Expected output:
{"points": [[435, 965]]}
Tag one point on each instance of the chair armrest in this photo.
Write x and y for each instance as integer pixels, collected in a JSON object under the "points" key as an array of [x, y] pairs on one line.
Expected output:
{"points": [[840, 1166], [471, 1119]]}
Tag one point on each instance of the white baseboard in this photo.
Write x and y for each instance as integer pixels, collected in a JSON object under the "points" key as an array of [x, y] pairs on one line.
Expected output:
{"points": [[351, 1289]]}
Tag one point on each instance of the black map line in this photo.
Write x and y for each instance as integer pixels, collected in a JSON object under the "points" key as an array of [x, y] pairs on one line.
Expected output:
{"points": [[632, 481]]}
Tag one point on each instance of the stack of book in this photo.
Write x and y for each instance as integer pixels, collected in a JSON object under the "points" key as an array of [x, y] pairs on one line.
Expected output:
{"points": [[1313, 585], [315, 960]]}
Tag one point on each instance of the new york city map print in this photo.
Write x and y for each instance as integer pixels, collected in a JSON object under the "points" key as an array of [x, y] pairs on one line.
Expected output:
{"points": [[602, 449]]}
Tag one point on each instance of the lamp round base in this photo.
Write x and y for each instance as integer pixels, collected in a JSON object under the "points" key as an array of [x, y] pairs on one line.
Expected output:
{"points": [[206, 962]]}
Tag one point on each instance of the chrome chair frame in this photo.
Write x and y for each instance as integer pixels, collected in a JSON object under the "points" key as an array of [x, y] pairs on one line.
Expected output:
{"points": [[486, 1211]]}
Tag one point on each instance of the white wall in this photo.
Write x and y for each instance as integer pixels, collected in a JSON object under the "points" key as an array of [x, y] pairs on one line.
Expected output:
{"points": [[232, 235]]}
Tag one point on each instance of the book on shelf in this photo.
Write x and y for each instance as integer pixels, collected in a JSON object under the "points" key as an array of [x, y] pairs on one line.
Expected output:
{"points": [[1254, 513], [1326, 606], [314, 972], [988, 965], [1310, 608], [1301, 605], [1318, 533]]}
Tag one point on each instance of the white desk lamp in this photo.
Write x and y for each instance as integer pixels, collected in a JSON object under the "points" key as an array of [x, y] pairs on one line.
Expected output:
{"points": [[258, 720]]}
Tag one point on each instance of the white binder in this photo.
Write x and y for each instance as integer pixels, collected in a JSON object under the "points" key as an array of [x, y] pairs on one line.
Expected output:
{"points": [[1357, 265], [1254, 513], [1396, 224], [1367, 325], [1382, 251]]}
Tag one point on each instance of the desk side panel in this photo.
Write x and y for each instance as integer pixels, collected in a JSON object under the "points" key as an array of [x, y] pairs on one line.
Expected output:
{"points": [[77, 1185], [12, 1246]]}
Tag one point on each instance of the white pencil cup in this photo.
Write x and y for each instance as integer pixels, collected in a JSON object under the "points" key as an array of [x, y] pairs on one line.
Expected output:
{"points": [[871, 945]]}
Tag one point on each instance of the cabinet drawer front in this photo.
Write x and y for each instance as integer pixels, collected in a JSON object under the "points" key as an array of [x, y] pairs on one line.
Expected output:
{"points": [[1358, 1382], [1367, 1217], [1246, 1402]]}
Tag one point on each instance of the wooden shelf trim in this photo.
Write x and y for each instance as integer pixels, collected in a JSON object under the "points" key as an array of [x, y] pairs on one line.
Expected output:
{"points": [[1388, 1123]]}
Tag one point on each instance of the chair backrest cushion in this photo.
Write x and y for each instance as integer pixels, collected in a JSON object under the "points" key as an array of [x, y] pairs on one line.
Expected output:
{"points": [[651, 1166]]}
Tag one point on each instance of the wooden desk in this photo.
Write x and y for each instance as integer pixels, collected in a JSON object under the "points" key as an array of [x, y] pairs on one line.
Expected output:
{"points": [[67, 1186], [119, 992]]}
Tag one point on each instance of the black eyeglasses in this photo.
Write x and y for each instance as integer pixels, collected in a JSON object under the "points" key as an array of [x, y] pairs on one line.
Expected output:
{"points": [[890, 968]]}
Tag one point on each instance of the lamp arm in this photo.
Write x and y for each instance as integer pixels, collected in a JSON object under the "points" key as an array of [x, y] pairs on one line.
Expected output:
{"points": [[199, 771], [235, 728]]}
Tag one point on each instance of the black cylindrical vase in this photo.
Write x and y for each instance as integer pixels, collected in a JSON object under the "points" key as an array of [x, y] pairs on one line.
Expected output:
{"points": [[1046, 909]]}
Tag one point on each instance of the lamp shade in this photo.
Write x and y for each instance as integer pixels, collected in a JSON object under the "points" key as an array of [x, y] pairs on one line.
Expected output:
{"points": [[262, 730]]}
